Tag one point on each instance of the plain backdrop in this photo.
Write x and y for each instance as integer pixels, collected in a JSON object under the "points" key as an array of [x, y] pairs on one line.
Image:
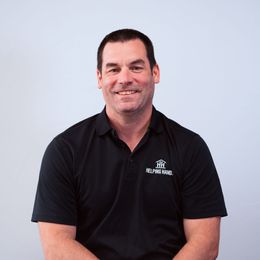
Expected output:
{"points": [[208, 52]]}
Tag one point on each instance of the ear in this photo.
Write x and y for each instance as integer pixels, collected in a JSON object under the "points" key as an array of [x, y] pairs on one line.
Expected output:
{"points": [[156, 73], [99, 79]]}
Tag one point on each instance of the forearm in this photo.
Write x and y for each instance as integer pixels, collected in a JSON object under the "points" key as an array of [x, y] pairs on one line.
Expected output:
{"points": [[67, 249], [59, 243], [198, 250], [202, 239]]}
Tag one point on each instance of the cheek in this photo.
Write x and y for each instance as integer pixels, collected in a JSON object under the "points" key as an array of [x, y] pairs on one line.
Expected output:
{"points": [[107, 90], [149, 90], [146, 80], [109, 81]]}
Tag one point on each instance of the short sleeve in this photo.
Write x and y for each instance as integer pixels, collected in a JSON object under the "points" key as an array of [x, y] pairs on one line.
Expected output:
{"points": [[55, 199], [202, 195]]}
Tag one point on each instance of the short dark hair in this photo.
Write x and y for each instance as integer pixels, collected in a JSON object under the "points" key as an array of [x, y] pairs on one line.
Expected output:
{"points": [[124, 35]]}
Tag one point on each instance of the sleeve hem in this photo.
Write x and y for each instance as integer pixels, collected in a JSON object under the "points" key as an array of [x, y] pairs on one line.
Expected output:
{"points": [[53, 219], [196, 215]]}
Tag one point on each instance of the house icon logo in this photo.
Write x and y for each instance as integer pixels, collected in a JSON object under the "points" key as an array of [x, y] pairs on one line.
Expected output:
{"points": [[160, 169], [160, 164]]}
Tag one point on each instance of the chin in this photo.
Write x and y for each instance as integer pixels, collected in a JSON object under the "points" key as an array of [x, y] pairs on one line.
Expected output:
{"points": [[128, 109]]}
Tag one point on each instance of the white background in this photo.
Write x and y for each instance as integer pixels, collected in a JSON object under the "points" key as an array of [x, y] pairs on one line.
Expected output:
{"points": [[209, 56]]}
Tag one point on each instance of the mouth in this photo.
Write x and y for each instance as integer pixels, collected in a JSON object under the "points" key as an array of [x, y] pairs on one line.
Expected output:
{"points": [[126, 92]]}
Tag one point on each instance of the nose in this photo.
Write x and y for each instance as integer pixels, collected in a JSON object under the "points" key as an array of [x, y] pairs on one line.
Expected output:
{"points": [[125, 77]]}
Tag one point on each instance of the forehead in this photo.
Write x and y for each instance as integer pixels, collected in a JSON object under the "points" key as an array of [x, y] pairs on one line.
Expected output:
{"points": [[128, 50]]}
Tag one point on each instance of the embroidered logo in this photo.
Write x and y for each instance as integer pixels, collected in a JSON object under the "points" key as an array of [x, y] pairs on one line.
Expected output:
{"points": [[160, 168]]}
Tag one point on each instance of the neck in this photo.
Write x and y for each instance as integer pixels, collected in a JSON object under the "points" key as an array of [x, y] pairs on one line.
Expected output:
{"points": [[131, 127]]}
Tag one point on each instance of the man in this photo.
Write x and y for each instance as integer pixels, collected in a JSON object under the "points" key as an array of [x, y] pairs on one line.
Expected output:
{"points": [[128, 183]]}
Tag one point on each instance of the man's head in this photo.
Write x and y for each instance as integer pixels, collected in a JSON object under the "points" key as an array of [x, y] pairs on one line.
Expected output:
{"points": [[124, 35], [127, 73]]}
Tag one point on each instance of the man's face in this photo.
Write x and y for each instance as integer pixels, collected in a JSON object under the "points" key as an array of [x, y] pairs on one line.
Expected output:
{"points": [[126, 80]]}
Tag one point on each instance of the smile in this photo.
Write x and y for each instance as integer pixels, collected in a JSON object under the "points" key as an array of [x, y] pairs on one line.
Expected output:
{"points": [[126, 92]]}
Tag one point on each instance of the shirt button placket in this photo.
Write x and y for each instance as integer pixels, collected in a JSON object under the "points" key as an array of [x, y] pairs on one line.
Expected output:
{"points": [[130, 173]]}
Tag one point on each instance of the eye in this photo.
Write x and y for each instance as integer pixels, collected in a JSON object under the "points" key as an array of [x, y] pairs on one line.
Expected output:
{"points": [[136, 68], [113, 70]]}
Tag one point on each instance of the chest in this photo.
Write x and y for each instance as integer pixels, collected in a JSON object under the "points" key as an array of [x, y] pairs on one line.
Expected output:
{"points": [[147, 179]]}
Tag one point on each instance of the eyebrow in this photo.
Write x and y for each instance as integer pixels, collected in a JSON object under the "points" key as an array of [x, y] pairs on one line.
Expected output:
{"points": [[138, 61], [111, 64], [135, 62]]}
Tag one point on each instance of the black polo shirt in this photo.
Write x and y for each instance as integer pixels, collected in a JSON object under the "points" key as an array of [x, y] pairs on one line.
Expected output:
{"points": [[128, 205]]}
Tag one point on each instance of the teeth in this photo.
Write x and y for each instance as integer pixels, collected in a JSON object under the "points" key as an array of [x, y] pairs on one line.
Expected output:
{"points": [[127, 92]]}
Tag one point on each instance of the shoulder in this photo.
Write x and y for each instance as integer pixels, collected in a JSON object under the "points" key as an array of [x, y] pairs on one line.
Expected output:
{"points": [[79, 131], [179, 133], [186, 143], [74, 137]]}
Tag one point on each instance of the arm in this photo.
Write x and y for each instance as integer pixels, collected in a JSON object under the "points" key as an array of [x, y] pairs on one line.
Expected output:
{"points": [[59, 243], [202, 239]]}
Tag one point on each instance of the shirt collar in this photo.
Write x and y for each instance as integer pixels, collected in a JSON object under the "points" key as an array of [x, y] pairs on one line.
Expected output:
{"points": [[102, 123], [103, 126], [156, 124]]}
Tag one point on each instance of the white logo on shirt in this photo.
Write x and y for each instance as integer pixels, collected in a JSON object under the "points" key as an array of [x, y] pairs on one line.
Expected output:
{"points": [[160, 168]]}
